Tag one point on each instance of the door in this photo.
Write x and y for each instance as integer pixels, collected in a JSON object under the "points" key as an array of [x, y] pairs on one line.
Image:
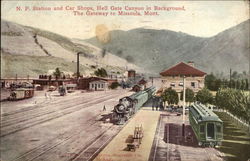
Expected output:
{"points": [[210, 131]]}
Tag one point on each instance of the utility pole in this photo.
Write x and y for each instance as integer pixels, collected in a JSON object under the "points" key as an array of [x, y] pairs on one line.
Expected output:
{"points": [[183, 108]]}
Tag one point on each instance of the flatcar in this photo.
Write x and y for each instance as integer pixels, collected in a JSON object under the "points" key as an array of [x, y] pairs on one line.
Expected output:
{"points": [[129, 105], [21, 93], [206, 125]]}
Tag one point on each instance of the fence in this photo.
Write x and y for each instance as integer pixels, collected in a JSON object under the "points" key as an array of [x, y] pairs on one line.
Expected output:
{"points": [[238, 121]]}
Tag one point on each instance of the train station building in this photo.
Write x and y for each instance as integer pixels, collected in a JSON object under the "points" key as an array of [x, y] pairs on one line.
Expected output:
{"points": [[173, 77]]}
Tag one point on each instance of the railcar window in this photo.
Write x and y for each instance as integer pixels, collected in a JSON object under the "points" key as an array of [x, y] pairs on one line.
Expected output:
{"points": [[218, 128], [202, 128]]}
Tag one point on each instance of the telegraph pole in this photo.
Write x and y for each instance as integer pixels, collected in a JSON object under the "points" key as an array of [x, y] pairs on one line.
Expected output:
{"points": [[183, 108]]}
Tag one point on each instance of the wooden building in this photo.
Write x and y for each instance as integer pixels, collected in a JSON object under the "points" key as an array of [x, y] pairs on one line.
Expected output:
{"points": [[137, 88], [99, 85], [53, 82], [143, 83], [84, 83]]}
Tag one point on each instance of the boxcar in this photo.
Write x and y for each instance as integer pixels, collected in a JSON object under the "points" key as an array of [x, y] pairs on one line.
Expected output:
{"points": [[21, 93], [206, 125]]}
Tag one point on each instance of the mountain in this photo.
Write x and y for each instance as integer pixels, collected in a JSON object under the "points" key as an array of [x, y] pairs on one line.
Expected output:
{"points": [[32, 51], [156, 50]]}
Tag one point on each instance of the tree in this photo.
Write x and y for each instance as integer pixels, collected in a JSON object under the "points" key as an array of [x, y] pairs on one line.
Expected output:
{"points": [[57, 73], [170, 96], [101, 72], [114, 85], [209, 81], [204, 96], [246, 88], [189, 95], [235, 101]]}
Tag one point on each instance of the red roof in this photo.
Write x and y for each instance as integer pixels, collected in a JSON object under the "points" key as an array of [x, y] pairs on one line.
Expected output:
{"points": [[142, 81], [182, 69]]}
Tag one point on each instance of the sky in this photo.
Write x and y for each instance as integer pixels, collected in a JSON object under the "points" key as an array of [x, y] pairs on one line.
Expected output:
{"points": [[200, 18]]}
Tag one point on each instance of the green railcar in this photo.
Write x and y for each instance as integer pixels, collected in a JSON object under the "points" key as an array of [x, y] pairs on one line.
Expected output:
{"points": [[129, 105], [206, 125]]}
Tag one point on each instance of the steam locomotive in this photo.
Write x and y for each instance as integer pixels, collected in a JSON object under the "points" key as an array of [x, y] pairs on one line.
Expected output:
{"points": [[129, 105]]}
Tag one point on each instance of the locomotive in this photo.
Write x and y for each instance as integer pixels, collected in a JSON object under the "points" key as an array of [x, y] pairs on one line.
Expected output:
{"points": [[129, 105], [206, 125]]}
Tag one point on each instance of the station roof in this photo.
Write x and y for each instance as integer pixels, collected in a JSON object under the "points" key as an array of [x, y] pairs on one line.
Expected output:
{"points": [[181, 69]]}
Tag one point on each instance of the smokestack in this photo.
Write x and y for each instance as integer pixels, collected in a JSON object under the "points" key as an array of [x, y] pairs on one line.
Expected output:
{"points": [[191, 63]]}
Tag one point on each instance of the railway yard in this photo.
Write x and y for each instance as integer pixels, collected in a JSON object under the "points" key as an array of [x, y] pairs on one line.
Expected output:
{"points": [[75, 127], [57, 128]]}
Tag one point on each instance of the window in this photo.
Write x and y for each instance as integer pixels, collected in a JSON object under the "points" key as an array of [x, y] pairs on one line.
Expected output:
{"points": [[172, 84], [218, 128], [193, 84], [102, 85], [99, 85], [181, 84], [92, 85], [202, 128]]}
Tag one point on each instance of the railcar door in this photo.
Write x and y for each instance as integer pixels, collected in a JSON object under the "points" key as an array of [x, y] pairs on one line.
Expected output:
{"points": [[210, 131]]}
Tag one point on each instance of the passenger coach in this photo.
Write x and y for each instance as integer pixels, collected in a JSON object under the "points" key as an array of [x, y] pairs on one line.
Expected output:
{"points": [[206, 125]]}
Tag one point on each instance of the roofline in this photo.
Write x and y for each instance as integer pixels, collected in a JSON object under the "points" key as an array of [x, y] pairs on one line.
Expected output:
{"points": [[171, 67], [178, 64]]}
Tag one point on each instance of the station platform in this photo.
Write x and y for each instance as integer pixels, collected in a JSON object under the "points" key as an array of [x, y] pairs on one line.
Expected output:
{"points": [[117, 150]]}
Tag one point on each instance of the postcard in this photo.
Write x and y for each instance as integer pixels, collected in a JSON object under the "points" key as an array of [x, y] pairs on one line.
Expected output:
{"points": [[125, 80]]}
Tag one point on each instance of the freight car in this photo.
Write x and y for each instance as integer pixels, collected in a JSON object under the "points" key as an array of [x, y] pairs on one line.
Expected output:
{"points": [[21, 93], [206, 125], [128, 106]]}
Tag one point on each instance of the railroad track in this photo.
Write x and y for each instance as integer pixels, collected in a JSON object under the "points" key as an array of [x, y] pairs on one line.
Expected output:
{"points": [[91, 151], [88, 152], [5, 120], [44, 103], [21, 125], [51, 144], [6, 117], [48, 110]]}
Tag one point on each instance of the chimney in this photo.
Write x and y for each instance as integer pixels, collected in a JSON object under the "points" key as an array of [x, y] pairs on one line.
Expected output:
{"points": [[191, 63]]}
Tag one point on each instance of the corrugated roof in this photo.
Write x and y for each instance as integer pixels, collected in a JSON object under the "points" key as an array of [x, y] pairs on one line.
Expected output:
{"points": [[182, 69]]}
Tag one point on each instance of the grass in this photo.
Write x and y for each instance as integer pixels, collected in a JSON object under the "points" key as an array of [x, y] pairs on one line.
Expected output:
{"points": [[65, 42], [34, 65], [236, 143]]}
